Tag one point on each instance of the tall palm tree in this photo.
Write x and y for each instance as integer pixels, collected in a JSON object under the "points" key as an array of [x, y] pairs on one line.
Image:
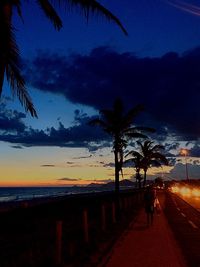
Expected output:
{"points": [[150, 155], [118, 123], [9, 51], [136, 160]]}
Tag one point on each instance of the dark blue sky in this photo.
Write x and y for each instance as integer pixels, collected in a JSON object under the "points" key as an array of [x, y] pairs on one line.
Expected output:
{"points": [[154, 27], [73, 73]]}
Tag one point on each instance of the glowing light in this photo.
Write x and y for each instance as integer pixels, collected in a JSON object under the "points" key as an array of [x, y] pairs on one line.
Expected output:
{"points": [[186, 192], [175, 189], [183, 152], [195, 192]]}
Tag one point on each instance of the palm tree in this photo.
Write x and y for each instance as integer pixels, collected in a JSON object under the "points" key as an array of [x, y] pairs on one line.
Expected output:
{"points": [[118, 123], [136, 160], [9, 51], [150, 155]]}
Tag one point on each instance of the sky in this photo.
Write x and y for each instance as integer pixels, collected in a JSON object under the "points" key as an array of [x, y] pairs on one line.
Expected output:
{"points": [[73, 73]]}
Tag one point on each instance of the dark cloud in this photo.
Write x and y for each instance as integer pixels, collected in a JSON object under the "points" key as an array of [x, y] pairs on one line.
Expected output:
{"points": [[79, 135], [196, 162], [11, 121], [172, 146], [17, 147], [101, 162], [195, 150], [69, 179], [83, 157], [47, 165], [172, 161], [168, 86], [109, 165]]}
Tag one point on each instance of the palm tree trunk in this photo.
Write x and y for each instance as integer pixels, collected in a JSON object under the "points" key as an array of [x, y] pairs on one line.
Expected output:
{"points": [[2, 71], [116, 172], [139, 181], [117, 198], [145, 177]]}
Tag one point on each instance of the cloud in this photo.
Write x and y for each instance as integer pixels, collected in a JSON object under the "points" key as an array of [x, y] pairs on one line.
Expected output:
{"points": [[79, 135], [83, 157], [168, 86], [11, 120], [47, 165], [195, 150], [109, 165], [86, 181], [179, 171], [196, 162], [17, 147], [69, 179], [172, 161]]}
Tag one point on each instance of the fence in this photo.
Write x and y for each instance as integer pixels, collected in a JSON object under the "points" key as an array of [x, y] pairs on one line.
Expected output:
{"points": [[68, 230]]}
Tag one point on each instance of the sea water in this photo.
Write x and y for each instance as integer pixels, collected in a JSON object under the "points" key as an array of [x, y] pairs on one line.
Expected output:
{"points": [[24, 193]]}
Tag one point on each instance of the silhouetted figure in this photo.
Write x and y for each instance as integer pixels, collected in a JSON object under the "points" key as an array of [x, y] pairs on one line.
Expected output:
{"points": [[149, 199]]}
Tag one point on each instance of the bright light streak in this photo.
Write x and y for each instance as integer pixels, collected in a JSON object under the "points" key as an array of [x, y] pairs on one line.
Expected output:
{"points": [[192, 9]]}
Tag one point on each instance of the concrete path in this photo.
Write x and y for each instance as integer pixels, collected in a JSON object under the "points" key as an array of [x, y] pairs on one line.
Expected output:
{"points": [[143, 246]]}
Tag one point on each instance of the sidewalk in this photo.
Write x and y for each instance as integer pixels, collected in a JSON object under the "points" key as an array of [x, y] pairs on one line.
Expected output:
{"points": [[143, 246]]}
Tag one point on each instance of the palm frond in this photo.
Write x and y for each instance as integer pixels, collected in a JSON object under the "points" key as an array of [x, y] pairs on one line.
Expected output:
{"points": [[9, 55], [155, 163], [136, 135], [97, 121], [133, 113], [18, 87], [134, 154], [144, 129], [51, 13], [17, 4], [160, 157], [158, 147], [94, 7]]}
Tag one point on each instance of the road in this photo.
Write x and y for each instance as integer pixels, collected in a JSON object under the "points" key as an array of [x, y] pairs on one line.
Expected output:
{"points": [[185, 223], [193, 201]]}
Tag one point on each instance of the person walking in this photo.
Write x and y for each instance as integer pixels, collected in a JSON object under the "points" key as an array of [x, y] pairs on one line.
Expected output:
{"points": [[149, 200]]}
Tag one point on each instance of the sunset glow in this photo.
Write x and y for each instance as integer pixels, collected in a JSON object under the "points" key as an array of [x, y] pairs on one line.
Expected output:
{"points": [[73, 74]]}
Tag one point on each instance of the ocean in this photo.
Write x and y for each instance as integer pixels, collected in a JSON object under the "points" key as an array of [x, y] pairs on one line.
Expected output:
{"points": [[27, 193]]}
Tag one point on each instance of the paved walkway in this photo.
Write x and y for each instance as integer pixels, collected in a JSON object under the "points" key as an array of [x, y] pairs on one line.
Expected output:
{"points": [[143, 246]]}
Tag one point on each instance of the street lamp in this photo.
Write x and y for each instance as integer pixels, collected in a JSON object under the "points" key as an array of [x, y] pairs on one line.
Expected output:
{"points": [[184, 152]]}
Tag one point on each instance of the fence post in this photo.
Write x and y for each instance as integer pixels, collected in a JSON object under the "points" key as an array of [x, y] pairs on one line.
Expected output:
{"points": [[58, 256], [85, 226], [113, 213], [103, 218]]}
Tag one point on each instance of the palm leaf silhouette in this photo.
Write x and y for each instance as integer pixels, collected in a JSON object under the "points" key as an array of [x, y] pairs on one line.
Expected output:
{"points": [[9, 51]]}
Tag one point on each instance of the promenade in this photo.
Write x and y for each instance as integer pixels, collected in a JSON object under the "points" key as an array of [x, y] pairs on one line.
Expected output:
{"points": [[146, 246]]}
